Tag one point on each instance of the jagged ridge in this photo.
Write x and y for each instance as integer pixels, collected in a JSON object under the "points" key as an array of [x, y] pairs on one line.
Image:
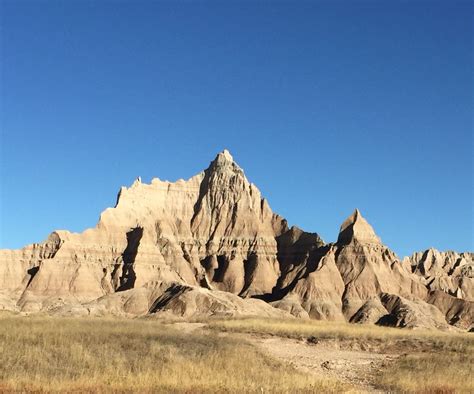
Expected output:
{"points": [[192, 247]]}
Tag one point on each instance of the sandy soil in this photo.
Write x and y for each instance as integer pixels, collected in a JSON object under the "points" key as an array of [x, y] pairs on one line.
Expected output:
{"points": [[324, 358], [356, 368]]}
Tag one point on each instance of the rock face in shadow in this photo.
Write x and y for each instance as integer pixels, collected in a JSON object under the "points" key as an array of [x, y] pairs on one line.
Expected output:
{"points": [[458, 312], [317, 290], [211, 245]]}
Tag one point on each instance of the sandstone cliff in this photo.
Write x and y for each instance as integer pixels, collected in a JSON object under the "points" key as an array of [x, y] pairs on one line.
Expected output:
{"points": [[211, 245]]}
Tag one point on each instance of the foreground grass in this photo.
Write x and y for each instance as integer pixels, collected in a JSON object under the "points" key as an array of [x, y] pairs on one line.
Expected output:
{"points": [[66, 354], [302, 329], [102, 355], [448, 372], [429, 361]]}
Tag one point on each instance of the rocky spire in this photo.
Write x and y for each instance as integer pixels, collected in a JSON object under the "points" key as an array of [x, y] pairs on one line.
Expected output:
{"points": [[225, 156], [224, 162], [356, 228]]}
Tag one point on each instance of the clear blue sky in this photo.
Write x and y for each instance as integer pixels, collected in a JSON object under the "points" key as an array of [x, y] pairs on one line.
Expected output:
{"points": [[327, 106]]}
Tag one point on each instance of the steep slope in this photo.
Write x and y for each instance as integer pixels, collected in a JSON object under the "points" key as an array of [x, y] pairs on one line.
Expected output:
{"points": [[369, 268], [357, 279], [213, 230], [309, 284], [235, 231], [212, 245]]}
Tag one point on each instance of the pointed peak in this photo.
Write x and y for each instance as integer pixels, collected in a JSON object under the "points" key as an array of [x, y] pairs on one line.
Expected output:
{"points": [[352, 218], [225, 155], [224, 161], [224, 158], [355, 227], [137, 181]]}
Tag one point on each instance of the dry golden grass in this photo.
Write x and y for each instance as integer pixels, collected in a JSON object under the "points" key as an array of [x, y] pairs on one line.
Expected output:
{"points": [[431, 372], [430, 361], [103, 355], [301, 329], [99, 355]]}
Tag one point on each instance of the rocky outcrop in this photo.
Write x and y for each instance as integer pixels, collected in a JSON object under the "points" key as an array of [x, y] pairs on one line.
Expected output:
{"points": [[372, 311], [211, 245], [309, 283], [356, 229], [193, 302], [458, 312], [449, 277], [345, 280], [450, 272], [233, 230], [317, 291], [214, 230], [415, 313], [18, 267], [369, 268]]}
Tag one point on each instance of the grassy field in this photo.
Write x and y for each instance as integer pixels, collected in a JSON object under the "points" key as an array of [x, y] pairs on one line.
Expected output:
{"points": [[383, 338], [50, 354], [431, 372], [429, 362], [44, 354]]}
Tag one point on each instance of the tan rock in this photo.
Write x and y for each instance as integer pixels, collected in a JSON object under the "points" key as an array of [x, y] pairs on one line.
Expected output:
{"points": [[214, 229], [318, 291], [368, 268], [211, 245], [412, 314], [356, 229], [450, 272], [194, 302], [370, 313], [458, 312]]}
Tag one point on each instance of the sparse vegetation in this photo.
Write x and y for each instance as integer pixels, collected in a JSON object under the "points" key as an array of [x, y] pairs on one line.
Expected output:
{"points": [[74, 354], [429, 361], [44, 354], [302, 329], [432, 372]]}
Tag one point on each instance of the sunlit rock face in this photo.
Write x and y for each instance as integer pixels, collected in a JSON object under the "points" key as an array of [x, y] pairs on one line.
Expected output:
{"points": [[450, 272], [212, 245], [214, 230], [344, 280]]}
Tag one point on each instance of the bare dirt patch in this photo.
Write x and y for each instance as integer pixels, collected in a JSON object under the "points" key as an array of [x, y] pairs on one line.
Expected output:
{"points": [[348, 362], [326, 359]]}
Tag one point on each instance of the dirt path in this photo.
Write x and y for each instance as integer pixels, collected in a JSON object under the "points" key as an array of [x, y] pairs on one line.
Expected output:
{"points": [[321, 358], [356, 368]]}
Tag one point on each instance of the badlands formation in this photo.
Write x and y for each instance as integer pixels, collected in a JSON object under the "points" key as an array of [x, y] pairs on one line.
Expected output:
{"points": [[211, 246]]}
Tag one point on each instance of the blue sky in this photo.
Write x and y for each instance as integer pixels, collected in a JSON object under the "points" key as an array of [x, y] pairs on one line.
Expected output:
{"points": [[327, 106]]}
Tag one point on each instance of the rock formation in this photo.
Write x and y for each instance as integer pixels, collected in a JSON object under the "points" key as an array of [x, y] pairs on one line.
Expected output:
{"points": [[450, 272], [211, 245], [345, 280], [449, 277]]}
